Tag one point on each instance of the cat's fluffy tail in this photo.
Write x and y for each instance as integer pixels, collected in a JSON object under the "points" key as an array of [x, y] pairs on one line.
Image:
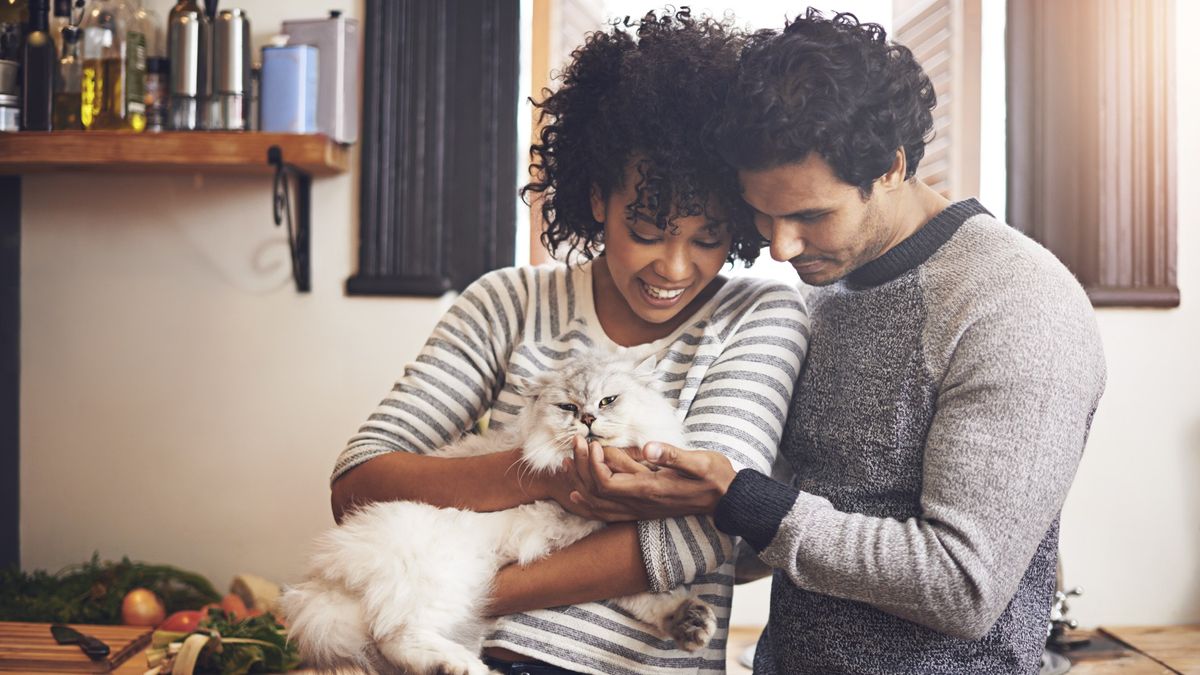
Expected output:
{"points": [[327, 625]]}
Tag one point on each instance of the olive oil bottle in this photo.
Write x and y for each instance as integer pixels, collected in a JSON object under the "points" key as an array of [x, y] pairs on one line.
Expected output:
{"points": [[67, 85], [114, 67]]}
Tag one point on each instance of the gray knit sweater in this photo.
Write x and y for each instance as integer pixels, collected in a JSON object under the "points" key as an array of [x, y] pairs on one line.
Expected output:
{"points": [[935, 430]]}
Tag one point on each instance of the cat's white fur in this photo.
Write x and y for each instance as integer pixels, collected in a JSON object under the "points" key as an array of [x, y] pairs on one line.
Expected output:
{"points": [[401, 585]]}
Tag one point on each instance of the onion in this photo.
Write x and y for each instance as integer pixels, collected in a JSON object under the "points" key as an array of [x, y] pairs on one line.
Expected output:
{"points": [[141, 607]]}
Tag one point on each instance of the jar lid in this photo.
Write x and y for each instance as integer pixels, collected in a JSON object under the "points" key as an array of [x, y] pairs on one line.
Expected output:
{"points": [[10, 100]]}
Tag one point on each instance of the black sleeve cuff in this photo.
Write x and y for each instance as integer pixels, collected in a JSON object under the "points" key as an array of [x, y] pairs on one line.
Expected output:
{"points": [[753, 508]]}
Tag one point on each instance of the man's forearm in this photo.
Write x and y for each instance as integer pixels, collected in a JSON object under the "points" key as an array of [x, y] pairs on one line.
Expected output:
{"points": [[605, 564], [482, 483]]}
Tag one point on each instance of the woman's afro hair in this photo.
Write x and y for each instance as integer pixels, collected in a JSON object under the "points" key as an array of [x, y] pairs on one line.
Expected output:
{"points": [[649, 91]]}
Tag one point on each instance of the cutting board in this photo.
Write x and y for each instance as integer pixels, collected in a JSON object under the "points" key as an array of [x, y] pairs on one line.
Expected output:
{"points": [[29, 647]]}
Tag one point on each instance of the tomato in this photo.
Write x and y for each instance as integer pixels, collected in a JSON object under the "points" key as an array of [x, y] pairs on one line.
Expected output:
{"points": [[141, 607], [184, 621], [234, 606]]}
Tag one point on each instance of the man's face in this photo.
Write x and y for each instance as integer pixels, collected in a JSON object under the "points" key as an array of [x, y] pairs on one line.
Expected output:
{"points": [[815, 221]]}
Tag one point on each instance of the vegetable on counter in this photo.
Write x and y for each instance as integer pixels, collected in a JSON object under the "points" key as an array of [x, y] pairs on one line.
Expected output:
{"points": [[224, 644], [141, 607], [94, 592]]}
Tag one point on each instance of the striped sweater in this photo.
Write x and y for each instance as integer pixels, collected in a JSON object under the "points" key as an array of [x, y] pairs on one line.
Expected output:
{"points": [[730, 370]]}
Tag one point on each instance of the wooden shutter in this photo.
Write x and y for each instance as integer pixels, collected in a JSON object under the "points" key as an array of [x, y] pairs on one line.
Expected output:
{"points": [[944, 36]]}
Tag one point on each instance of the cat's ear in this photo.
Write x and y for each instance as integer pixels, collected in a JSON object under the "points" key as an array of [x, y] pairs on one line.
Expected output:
{"points": [[532, 387]]}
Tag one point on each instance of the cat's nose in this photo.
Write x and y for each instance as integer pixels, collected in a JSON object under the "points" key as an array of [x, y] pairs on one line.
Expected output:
{"points": [[587, 418]]}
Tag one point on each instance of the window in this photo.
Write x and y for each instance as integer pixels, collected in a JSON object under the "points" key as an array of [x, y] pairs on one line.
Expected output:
{"points": [[1092, 142]]}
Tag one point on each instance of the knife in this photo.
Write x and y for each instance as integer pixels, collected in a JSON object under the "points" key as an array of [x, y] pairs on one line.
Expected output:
{"points": [[65, 635]]}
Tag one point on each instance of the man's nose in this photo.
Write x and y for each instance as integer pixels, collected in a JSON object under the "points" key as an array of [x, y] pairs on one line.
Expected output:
{"points": [[587, 418], [786, 242]]}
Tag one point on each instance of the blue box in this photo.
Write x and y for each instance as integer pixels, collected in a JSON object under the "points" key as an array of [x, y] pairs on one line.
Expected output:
{"points": [[288, 98]]}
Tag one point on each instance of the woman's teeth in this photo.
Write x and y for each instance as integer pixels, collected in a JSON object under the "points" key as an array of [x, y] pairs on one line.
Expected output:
{"points": [[662, 293]]}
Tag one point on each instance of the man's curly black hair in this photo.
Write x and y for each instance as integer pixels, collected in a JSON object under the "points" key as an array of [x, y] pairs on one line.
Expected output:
{"points": [[653, 95], [834, 86]]}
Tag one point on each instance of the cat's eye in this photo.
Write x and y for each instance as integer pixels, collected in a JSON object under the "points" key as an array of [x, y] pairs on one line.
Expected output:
{"points": [[569, 407], [607, 401]]}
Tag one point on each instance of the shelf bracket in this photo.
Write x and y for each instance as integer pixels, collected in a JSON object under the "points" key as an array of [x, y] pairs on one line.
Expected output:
{"points": [[281, 208]]}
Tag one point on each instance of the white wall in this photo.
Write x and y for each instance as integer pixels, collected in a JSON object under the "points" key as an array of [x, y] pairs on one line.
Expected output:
{"points": [[1131, 526], [182, 404]]}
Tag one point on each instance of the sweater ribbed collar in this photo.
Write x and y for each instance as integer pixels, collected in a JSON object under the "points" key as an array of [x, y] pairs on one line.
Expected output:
{"points": [[918, 247]]}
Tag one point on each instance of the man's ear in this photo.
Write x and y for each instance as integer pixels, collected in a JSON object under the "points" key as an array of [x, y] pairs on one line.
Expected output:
{"points": [[894, 177], [599, 205]]}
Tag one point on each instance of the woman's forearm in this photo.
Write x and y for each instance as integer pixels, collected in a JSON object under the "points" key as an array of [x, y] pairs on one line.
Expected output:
{"points": [[482, 483], [605, 564]]}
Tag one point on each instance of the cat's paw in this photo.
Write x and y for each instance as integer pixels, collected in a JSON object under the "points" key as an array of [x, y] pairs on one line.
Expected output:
{"points": [[461, 667], [692, 624]]}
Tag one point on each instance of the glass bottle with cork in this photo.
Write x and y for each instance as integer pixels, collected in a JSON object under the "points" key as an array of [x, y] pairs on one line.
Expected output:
{"points": [[67, 98], [114, 67]]}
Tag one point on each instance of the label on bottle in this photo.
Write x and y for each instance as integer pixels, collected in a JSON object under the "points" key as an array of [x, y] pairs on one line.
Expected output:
{"points": [[135, 79], [88, 103]]}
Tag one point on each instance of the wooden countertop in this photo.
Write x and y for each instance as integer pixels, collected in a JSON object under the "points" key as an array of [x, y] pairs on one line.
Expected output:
{"points": [[1122, 650]]}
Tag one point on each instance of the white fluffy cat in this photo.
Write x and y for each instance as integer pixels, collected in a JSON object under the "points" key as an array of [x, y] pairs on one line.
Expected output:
{"points": [[401, 585]]}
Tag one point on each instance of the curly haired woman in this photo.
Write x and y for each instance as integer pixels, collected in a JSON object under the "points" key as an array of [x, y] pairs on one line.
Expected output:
{"points": [[634, 192]]}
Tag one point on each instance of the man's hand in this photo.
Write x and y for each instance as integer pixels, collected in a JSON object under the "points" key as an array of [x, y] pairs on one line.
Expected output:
{"points": [[611, 485]]}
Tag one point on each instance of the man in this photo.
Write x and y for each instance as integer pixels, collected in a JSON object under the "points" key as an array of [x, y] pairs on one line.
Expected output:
{"points": [[947, 395]]}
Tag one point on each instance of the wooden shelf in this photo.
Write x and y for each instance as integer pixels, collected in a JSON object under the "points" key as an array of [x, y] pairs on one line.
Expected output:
{"points": [[172, 151]]}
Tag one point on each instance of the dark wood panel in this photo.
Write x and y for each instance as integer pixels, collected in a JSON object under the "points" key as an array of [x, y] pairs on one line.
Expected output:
{"points": [[10, 370], [438, 191]]}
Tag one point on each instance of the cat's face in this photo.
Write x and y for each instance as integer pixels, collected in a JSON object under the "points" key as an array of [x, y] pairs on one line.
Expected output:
{"points": [[602, 400]]}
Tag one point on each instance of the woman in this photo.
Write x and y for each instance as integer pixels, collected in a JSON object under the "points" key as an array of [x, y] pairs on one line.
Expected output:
{"points": [[628, 186]]}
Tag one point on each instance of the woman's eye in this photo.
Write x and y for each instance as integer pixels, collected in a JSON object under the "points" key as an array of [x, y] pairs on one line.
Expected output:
{"points": [[710, 244], [569, 407], [607, 401], [640, 239]]}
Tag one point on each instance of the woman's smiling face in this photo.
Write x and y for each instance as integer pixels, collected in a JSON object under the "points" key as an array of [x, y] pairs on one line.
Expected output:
{"points": [[659, 273]]}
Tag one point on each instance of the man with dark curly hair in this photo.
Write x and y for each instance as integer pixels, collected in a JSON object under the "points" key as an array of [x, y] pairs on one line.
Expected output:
{"points": [[950, 384]]}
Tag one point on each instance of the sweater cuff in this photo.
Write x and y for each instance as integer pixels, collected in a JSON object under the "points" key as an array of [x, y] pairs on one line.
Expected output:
{"points": [[753, 508]]}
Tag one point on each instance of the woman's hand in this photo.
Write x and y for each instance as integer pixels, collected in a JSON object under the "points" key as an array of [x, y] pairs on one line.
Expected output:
{"points": [[611, 485]]}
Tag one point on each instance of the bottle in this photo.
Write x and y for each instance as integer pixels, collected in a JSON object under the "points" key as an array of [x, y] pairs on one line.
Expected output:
{"points": [[38, 64], [67, 100], [14, 16], [189, 50], [114, 67], [156, 93], [60, 18]]}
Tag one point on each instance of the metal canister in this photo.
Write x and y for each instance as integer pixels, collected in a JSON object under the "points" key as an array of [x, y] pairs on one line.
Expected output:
{"points": [[288, 98], [189, 52], [10, 112], [232, 62]]}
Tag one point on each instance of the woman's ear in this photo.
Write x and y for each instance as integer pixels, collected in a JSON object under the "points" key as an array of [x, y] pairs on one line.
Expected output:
{"points": [[599, 205]]}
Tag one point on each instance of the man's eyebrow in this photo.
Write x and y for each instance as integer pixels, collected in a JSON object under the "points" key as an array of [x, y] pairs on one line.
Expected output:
{"points": [[809, 213]]}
